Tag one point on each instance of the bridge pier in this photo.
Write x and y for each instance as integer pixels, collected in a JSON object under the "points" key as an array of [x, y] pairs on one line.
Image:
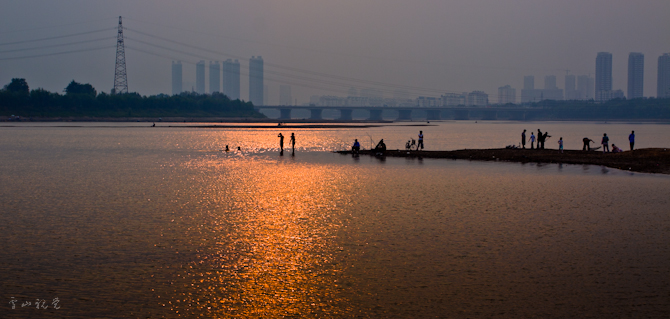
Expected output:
{"points": [[315, 114], [285, 114], [345, 115], [461, 114], [433, 115], [490, 115], [375, 115], [404, 115], [517, 115]]}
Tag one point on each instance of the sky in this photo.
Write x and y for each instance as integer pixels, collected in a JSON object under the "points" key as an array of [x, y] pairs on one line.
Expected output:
{"points": [[423, 47]]}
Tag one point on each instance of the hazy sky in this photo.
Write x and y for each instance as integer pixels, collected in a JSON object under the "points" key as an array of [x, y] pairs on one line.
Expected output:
{"points": [[426, 47]]}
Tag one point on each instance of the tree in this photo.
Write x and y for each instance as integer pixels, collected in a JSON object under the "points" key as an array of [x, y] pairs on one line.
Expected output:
{"points": [[78, 88], [18, 86]]}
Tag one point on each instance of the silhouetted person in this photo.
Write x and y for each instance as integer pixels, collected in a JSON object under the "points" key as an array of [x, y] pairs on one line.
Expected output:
{"points": [[238, 148], [227, 149], [631, 139], [281, 141], [293, 142], [154, 125], [420, 144], [560, 144], [544, 138], [381, 147], [605, 142], [532, 140], [587, 144], [356, 148], [523, 139], [539, 138]]}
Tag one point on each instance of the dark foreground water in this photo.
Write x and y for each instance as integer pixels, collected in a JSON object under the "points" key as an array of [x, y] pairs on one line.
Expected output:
{"points": [[132, 222]]}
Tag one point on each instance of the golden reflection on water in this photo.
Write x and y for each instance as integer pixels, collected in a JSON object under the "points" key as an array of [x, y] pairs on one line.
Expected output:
{"points": [[269, 251]]}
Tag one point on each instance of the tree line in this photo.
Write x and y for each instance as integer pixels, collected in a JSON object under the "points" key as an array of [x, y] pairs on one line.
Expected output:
{"points": [[640, 108], [82, 100]]}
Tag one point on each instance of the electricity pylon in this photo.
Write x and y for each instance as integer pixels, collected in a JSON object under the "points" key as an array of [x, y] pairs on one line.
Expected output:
{"points": [[120, 77]]}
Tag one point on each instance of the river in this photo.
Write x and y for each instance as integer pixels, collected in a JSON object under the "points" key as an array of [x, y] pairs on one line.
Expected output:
{"points": [[122, 220]]}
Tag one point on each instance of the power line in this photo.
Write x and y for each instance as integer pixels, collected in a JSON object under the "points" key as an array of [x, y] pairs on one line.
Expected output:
{"points": [[56, 45], [318, 74], [57, 37], [55, 26], [57, 53]]}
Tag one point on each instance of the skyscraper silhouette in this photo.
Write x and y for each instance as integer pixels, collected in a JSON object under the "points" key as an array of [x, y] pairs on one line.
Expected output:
{"points": [[200, 77], [603, 76], [231, 79], [663, 83], [176, 77], [635, 75], [256, 89], [570, 88], [214, 77]]}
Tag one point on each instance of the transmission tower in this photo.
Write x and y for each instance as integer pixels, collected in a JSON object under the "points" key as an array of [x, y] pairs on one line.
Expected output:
{"points": [[120, 77]]}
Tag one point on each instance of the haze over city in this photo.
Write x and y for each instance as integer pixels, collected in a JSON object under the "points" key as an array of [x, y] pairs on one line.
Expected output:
{"points": [[426, 48]]}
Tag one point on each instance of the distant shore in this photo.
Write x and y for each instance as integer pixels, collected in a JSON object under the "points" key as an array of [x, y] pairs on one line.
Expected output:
{"points": [[648, 160], [187, 119]]}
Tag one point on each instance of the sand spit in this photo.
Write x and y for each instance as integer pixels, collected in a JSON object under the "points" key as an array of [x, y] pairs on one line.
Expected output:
{"points": [[648, 160]]}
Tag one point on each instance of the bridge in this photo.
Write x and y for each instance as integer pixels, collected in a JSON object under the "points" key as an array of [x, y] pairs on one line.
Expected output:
{"points": [[375, 113]]}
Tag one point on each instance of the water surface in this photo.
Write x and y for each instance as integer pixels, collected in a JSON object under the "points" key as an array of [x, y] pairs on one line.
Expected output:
{"points": [[128, 221]]}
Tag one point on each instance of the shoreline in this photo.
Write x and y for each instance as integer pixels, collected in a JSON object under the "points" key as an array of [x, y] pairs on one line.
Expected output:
{"points": [[195, 119], [647, 160]]}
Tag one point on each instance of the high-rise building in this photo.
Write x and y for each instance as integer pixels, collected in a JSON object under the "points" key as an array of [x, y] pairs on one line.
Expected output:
{"points": [[528, 82], [285, 95], [663, 83], [584, 87], [231, 79], [176, 77], [550, 82], [256, 80], [453, 99], [478, 98], [214, 77], [506, 94], [635, 75], [551, 91], [200, 77], [570, 88], [529, 93], [603, 76]]}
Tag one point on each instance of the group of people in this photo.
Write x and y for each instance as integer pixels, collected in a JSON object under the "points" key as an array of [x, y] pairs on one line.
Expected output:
{"points": [[542, 137], [605, 143], [281, 142], [380, 148]]}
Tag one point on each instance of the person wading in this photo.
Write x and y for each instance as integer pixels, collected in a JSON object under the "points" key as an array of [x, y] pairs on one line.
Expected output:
{"points": [[281, 142]]}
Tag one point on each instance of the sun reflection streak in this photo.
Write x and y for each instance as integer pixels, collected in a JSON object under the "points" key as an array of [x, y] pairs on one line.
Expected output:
{"points": [[268, 244]]}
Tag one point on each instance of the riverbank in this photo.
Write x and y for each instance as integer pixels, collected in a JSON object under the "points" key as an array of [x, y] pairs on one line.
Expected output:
{"points": [[648, 160]]}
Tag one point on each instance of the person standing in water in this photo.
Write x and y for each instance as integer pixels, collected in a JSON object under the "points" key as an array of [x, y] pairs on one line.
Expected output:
{"points": [[293, 142], [281, 142], [356, 148], [420, 144], [532, 140]]}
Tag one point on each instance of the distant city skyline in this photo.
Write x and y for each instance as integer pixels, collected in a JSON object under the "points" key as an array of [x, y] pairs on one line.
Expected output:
{"points": [[325, 48]]}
